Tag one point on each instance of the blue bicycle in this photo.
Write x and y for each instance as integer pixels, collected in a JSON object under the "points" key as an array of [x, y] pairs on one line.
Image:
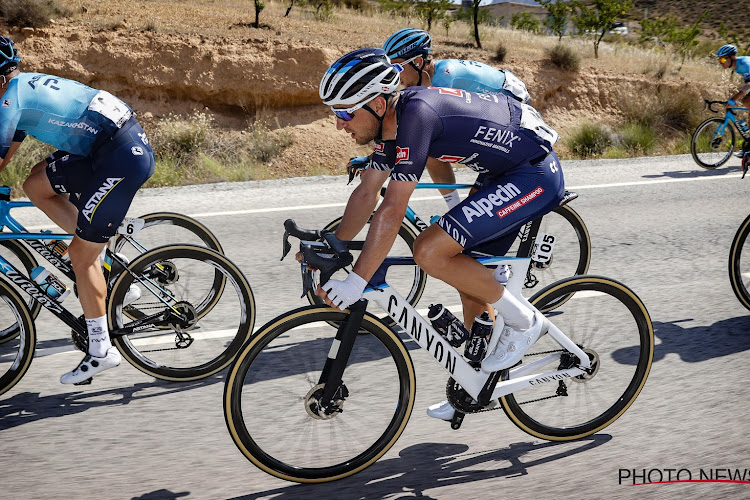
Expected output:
{"points": [[192, 312], [714, 140]]}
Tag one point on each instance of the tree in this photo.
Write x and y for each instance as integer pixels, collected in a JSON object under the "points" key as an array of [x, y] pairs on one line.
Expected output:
{"points": [[597, 16], [557, 21], [657, 29], [475, 17], [259, 6], [732, 38], [432, 10], [684, 39], [526, 22]]}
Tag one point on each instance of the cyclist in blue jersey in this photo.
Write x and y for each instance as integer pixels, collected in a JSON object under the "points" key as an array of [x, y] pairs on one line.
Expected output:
{"points": [[103, 155], [504, 140], [727, 56]]}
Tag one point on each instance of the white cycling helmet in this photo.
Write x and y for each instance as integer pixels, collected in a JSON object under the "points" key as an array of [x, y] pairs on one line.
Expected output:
{"points": [[359, 77]]}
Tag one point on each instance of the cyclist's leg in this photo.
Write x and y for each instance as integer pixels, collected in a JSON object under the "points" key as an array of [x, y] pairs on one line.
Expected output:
{"points": [[442, 173], [46, 188], [117, 172]]}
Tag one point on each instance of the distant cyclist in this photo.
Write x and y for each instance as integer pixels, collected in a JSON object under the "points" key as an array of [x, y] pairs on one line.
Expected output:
{"points": [[727, 55], [103, 154], [504, 140]]}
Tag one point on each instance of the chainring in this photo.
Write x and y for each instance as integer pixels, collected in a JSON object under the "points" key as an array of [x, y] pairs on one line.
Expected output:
{"points": [[460, 399]]}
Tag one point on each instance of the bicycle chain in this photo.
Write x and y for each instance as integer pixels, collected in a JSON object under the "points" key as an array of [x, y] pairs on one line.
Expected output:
{"points": [[462, 401]]}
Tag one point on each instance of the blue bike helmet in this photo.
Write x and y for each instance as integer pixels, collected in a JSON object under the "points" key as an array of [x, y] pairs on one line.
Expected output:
{"points": [[726, 51], [9, 57], [407, 43]]}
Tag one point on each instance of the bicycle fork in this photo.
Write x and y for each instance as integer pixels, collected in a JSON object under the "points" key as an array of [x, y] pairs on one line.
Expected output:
{"points": [[326, 399]]}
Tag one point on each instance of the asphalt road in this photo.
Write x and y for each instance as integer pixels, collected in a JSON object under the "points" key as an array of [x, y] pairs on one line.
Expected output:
{"points": [[661, 225]]}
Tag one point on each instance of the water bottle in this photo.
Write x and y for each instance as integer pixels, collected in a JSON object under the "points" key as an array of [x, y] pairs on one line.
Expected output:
{"points": [[447, 325], [52, 286], [476, 347], [60, 249]]}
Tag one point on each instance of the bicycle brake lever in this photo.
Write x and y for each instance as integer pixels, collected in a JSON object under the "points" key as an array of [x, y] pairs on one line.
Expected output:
{"points": [[285, 246]]}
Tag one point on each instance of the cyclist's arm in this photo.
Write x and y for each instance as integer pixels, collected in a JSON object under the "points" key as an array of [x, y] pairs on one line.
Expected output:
{"points": [[384, 228], [361, 203], [741, 94]]}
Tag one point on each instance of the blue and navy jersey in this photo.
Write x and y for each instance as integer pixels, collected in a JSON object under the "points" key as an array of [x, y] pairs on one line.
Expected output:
{"points": [[743, 67], [485, 132], [66, 114], [478, 77]]}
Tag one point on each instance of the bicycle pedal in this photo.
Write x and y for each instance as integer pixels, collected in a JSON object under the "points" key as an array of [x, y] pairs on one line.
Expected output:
{"points": [[85, 382], [457, 420]]}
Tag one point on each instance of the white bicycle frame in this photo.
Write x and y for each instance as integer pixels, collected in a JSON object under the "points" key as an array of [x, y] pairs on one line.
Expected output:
{"points": [[453, 362]]}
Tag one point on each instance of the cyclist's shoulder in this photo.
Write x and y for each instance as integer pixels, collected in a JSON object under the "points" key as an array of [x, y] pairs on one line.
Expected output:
{"points": [[743, 65]]}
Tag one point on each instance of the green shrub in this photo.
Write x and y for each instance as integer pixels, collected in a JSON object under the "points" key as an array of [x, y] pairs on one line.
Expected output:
{"points": [[637, 138], [564, 57], [674, 109], [31, 13], [192, 150], [591, 139]]}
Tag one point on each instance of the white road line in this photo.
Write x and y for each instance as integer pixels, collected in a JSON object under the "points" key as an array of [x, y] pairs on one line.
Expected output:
{"points": [[429, 198]]}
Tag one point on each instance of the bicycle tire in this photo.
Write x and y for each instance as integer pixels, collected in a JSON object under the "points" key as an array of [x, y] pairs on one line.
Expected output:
{"points": [[162, 219], [379, 361], [27, 260], [17, 352], [739, 286], [407, 233], [589, 404], [702, 147], [221, 313], [564, 263]]}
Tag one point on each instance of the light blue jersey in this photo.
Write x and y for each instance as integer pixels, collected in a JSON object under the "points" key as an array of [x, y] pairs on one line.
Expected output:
{"points": [[743, 67], [66, 114], [475, 76]]}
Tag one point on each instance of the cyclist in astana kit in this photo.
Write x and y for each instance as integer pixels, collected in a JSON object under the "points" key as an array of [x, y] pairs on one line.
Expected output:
{"points": [[103, 154], [505, 141]]}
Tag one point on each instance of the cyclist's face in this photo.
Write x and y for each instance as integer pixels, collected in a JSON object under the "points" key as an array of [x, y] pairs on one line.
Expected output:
{"points": [[409, 75], [363, 127], [726, 62]]}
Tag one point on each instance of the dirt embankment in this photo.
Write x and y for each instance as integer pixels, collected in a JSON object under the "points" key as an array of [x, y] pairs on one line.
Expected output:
{"points": [[159, 73]]}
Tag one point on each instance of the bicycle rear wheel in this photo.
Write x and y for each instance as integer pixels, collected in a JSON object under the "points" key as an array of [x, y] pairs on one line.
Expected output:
{"points": [[213, 323], [166, 228], [739, 264], [269, 397], [611, 324], [571, 253], [408, 280], [710, 150], [17, 327], [19, 255]]}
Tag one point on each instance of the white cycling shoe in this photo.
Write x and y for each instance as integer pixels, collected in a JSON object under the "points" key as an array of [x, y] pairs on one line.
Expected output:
{"points": [[90, 366], [444, 410], [133, 294], [513, 344]]}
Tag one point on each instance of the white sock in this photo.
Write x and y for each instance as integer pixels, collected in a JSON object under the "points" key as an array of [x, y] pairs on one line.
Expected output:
{"points": [[514, 313], [99, 342], [452, 198]]}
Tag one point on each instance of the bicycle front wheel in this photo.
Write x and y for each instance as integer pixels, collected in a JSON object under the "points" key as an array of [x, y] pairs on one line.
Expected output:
{"points": [[17, 327], [269, 398], [206, 326], [739, 264], [408, 280], [709, 148], [611, 324], [570, 255]]}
